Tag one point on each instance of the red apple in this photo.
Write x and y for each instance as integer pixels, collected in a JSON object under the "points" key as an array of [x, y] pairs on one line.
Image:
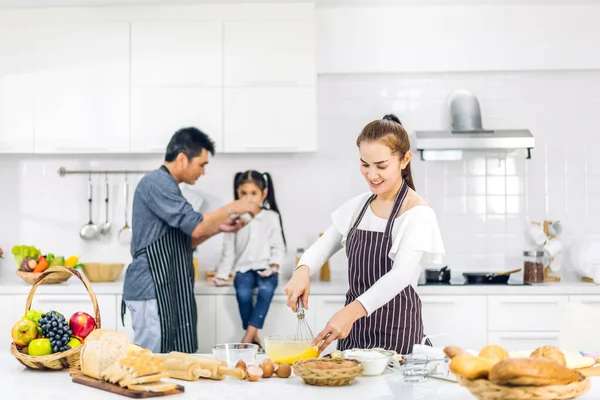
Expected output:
{"points": [[82, 324]]}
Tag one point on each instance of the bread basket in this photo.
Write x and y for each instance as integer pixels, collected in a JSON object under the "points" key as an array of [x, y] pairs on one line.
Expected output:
{"points": [[483, 389], [318, 371], [32, 277], [63, 359]]}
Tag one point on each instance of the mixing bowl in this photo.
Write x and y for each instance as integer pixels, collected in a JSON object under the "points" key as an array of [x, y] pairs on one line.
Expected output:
{"points": [[284, 349], [234, 352]]}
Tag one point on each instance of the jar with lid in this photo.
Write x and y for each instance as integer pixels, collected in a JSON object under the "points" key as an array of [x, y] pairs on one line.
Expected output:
{"points": [[533, 266]]}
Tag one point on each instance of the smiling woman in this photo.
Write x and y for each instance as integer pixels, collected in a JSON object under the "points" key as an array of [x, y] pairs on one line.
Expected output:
{"points": [[389, 233]]}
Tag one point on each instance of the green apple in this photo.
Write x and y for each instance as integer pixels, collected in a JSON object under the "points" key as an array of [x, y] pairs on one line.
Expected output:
{"points": [[74, 342], [40, 347]]}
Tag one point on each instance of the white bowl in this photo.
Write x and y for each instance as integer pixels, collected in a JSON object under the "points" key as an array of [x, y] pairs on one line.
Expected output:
{"points": [[234, 352], [375, 361]]}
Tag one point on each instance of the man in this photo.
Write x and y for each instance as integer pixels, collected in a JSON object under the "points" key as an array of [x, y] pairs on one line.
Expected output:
{"points": [[159, 283]]}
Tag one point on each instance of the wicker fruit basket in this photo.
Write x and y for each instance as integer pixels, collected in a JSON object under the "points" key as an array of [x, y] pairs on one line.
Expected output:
{"points": [[328, 372], [483, 389], [32, 277], [63, 359]]}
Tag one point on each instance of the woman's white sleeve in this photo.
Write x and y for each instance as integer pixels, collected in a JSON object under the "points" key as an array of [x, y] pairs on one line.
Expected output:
{"points": [[227, 256], [407, 265], [322, 250]]}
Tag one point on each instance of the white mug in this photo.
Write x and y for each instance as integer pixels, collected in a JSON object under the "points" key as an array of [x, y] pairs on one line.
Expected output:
{"points": [[536, 233], [552, 248]]}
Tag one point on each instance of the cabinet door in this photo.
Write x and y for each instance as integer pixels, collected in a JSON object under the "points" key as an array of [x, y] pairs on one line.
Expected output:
{"points": [[13, 307], [524, 313], [16, 88], [157, 113], [81, 87], [523, 341], [70, 304], [279, 120], [462, 317], [325, 307], [207, 322], [270, 52], [229, 323], [176, 53]]}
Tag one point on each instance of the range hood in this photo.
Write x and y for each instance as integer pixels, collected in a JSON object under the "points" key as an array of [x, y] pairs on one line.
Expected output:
{"points": [[467, 132]]}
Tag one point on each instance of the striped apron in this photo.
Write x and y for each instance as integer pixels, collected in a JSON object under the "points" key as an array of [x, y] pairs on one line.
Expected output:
{"points": [[172, 268], [397, 325]]}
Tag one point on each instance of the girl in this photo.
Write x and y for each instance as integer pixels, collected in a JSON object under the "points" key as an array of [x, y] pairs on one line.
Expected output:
{"points": [[388, 232], [255, 252]]}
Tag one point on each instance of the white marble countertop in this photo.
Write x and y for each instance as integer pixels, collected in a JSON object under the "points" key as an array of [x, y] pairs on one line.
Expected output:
{"points": [[10, 283], [23, 383]]}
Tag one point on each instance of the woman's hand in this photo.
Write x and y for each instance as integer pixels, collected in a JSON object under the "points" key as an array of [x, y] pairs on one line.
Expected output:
{"points": [[340, 325], [298, 286], [267, 272]]}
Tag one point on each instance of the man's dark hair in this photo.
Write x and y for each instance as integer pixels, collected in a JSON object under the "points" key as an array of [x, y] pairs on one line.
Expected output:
{"points": [[189, 141]]}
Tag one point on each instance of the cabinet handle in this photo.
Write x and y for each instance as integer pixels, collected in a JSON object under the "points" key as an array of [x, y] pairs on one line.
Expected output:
{"points": [[528, 336], [334, 301], [4, 147], [274, 147], [528, 302], [449, 302], [58, 300], [273, 83], [67, 148]]}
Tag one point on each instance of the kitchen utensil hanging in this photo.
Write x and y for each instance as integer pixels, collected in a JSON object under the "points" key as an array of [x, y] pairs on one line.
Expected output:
{"points": [[105, 230], [125, 233], [90, 230]]}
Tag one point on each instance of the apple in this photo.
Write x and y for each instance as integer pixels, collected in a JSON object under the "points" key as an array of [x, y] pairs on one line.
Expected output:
{"points": [[82, 324], [23, 332], [40, 347]]}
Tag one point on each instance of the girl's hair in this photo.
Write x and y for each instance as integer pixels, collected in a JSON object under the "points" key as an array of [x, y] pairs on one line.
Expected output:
{"points": [[389, 129], [263, 181]]}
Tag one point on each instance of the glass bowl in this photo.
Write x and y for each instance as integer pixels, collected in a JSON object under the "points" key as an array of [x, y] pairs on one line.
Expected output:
{"points": [[284, 349], [234, 352]]}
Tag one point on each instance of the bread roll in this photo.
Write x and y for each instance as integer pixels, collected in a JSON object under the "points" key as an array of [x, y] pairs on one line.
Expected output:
{"points": [[470, 367], [550, 353], [531, 372], [453, 351], [494, 353]]}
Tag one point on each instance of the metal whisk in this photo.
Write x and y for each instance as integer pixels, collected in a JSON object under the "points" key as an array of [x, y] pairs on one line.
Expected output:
{"points": [[303, 332]]}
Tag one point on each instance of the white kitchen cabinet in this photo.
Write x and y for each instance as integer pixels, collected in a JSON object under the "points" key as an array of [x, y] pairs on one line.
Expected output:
{"points": [[16, 88], [524, 313], [176, 54], [229, 324], [207, 321], [270, 52], [81, 87], [462, 317], [68, 304], [276, 119], [523, 341], [325, 307], [157, 113], [13, 307]]}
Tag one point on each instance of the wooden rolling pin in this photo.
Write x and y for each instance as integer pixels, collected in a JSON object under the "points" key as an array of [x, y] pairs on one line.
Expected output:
{"points": [[184, 370], [205, 367]]}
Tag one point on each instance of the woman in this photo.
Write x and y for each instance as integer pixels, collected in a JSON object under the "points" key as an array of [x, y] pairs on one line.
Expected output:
{"points": [[388, 233]]}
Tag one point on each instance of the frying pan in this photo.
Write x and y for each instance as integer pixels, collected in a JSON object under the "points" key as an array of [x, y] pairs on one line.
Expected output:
{"points": [[441, 275], [489, 277]]}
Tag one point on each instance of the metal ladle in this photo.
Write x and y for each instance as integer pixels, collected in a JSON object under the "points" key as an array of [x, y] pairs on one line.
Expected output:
{"points": [[89, 230], [126, 232], [105, 230]]}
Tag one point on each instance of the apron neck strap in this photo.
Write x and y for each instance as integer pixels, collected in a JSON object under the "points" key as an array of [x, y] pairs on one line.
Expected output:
{"points": [[395, 208]]}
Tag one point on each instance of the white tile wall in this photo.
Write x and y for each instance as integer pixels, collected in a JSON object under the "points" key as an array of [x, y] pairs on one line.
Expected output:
{"points": [[481, 202]]}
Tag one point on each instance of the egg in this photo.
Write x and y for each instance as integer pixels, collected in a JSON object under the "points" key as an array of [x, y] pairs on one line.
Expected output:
{"points": [[284, 371], [267, 367], [254, 373]]}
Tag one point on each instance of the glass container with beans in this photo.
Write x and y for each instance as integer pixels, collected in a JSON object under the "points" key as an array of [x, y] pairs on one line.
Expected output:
{"points": [[533, 266]]}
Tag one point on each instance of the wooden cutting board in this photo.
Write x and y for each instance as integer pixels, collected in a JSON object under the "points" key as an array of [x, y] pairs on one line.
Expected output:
{"points": [[78, 377]]}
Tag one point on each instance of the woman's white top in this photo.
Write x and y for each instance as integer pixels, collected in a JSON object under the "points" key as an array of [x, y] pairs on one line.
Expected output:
{"points": [[256, 246], [416, 242]]}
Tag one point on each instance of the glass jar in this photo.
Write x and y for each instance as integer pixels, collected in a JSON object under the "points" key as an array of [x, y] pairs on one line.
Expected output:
{"points": [[533, 266]]}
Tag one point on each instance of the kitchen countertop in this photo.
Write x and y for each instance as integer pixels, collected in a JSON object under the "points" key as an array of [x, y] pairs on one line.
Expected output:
{"points": [[12, 284], [23, 383]]}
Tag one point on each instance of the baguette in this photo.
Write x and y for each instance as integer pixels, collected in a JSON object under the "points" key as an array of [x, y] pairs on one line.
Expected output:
{"points": [[453, 351], [531, 372], [470, 367]]}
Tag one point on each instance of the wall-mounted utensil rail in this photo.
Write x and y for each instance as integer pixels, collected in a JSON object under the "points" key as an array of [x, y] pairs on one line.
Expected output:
{"points": [[62, 171]]}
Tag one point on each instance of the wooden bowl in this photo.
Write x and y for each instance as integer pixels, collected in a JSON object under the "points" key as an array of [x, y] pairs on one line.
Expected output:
{"points": [[32, 277], [102, 272]]}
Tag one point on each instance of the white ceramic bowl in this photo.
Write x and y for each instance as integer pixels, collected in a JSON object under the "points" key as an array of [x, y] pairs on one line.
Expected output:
{"points": [[375, 361], [234, 352]]}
